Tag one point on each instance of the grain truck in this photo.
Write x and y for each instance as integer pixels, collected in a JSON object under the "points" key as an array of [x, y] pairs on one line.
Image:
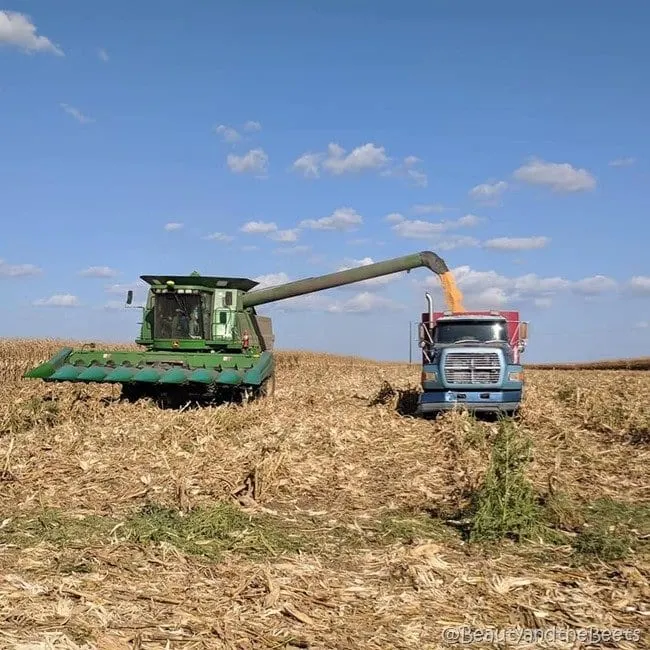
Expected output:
{"points": [[471, 360]]}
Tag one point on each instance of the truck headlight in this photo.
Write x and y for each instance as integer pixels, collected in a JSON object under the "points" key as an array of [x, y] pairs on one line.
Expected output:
{"points": [[429, 376], [516, 376]]}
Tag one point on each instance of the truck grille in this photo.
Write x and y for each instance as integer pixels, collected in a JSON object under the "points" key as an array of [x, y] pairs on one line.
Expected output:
{"points": [[472, 368]]}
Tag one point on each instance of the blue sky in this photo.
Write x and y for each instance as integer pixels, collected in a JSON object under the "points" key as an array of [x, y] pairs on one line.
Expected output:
{"points": [[282, 140]]}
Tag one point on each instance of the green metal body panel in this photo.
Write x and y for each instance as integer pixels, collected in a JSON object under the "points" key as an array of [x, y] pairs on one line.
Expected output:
{"points": [[156, 368], [202, 332]]}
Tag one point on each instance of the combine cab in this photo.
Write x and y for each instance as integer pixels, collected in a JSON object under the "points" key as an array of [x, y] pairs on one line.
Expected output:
{"points": [[471, 360], [202, 337]]}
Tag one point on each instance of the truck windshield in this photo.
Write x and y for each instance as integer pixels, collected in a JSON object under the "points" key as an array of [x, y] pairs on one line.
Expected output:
{"points": [[471, 331], [182, 316]]}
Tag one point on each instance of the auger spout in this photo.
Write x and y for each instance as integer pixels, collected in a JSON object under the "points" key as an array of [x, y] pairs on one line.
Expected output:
{"points": [[358, 274]]}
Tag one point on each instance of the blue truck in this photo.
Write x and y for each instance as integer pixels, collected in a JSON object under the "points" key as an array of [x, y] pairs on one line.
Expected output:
{"points": [[471, 360]]}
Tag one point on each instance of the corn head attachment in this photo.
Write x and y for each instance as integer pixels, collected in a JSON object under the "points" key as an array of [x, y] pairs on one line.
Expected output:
{"points": [[202, 338]]}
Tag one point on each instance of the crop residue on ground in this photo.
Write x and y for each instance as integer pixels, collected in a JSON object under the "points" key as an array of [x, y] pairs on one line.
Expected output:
{"points": [[327, 517]]}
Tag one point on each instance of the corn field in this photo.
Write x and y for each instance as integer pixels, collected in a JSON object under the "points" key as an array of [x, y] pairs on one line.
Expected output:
{"points": [[326, 517]]}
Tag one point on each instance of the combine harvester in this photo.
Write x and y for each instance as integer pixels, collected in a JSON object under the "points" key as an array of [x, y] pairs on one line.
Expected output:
{"points": [[203, 339], [471, 359]]}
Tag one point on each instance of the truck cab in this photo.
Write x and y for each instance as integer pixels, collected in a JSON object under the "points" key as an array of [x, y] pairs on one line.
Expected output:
{"points": [[471, 360]]}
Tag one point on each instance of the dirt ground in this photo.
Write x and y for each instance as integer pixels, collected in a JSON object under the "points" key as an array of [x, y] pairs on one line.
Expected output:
{"points": [[326, 517]]}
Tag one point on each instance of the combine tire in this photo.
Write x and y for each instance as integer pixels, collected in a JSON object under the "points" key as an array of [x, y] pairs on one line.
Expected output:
{"points": [[267, 389]]}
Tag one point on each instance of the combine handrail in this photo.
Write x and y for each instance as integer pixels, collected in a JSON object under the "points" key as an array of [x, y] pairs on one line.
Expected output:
{"points": [[340, 278]]}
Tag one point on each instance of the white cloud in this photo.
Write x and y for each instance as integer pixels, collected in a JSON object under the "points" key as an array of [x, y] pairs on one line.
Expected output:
{"points": [[640, 284], [622, 162], [594, 285], [428, 208], [335, 161], [531, 284], [420, 229], [343, 219], [249, 249], [559, 177], [485, 289], [490, 298], [173, 225], [58, 300], [17, 30], [417, 229], [306, 302], [255, 161], [98, 272], [362, 303], [489, 193], [359, 304], [394, 217], [259, 227], [468, 221], [271, 279], [456, 241], [367, 156], [102, 54], [270, 229], [76, 113], [219, 236], [517, 243], [308, 165], [418, 177], [289, 235], [543, 303], [18, 270], [230, 134], [642, 324], [227, 133]]}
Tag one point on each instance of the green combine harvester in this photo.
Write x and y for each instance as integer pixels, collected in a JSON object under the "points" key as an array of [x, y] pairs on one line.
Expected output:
{"points": [[202, 338]]}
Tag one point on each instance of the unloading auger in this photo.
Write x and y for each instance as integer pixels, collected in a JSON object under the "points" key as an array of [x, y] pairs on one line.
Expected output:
{"points": [[203, 338]]}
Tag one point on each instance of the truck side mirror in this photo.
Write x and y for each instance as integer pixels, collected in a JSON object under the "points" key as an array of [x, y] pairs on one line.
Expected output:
{"points": [[129, 297], [523, 330], [523, 336], [423, 335]]}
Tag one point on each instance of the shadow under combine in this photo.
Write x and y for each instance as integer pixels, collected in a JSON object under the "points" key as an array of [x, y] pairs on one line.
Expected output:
{"points": [[179, 399]]}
